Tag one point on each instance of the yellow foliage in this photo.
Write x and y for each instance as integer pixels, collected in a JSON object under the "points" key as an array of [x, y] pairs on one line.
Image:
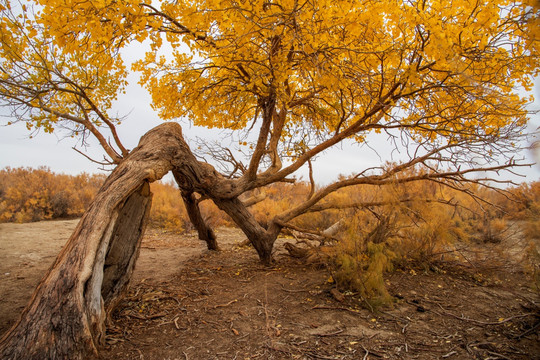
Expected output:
{"points": [[39, 194], [442, 70], [168, 211]]}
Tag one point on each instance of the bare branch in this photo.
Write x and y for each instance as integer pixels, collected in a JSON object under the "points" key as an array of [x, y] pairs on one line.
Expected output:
{"points": [[108, 163], [311, 180], [445, 178]]}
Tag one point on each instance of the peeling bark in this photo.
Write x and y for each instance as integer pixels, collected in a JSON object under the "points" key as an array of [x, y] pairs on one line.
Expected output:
{"points": [[66, 316]]}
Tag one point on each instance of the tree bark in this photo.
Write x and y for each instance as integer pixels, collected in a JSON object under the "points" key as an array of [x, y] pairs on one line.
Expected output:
{"points": [[66, 317], [194, 212], [261, 238]]}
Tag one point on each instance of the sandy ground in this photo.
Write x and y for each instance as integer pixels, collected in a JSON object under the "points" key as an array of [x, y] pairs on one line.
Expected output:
{"points": [[188, 303], [28, 250]]}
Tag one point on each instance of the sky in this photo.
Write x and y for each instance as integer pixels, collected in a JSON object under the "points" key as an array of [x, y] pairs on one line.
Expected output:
{"points": [[55, 151]]}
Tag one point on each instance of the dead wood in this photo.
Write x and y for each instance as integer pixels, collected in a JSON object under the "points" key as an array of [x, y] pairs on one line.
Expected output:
{"points": [[329, 234], [67, 313]]}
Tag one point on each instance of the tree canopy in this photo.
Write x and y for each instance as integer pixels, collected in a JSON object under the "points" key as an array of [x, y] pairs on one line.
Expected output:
{"points": [[449, 81], [306, 74]]}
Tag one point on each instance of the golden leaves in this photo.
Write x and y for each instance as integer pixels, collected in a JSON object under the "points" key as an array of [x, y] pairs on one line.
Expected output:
{"points": [[51, 74], [328, 64]]}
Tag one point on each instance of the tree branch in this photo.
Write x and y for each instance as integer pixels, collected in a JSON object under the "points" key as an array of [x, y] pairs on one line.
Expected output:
{"points": [[384, 179]]}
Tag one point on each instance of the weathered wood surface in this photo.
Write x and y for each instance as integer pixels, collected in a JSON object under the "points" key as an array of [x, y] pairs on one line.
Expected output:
{"points": [[66, 316]]}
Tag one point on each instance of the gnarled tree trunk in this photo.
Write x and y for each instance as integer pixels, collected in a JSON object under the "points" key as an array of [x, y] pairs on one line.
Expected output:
{"points": [[194, 212], [262, 238], [66, 316]]}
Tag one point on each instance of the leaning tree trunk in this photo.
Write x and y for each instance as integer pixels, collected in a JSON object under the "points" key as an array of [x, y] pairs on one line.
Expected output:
{"points": [[66, 316], [262, 238]]}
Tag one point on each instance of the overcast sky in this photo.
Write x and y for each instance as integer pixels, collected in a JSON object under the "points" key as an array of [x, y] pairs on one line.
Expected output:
{"points": [[54, 151]]}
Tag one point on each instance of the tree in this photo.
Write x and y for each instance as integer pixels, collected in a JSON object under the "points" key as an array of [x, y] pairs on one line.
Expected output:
{"points": [[293, 78]]}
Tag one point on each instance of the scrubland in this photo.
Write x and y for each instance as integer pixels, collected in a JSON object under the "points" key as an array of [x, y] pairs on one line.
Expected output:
{"points": [[423, 272]]}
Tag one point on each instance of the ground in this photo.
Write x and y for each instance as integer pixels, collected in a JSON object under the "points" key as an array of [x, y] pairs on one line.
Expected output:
{"points": [[188, 303]]}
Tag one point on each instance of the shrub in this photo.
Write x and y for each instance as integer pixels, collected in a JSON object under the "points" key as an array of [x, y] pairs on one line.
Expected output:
{"points": [[407, 231], [360, 267], [38, 194], [168, 211]]}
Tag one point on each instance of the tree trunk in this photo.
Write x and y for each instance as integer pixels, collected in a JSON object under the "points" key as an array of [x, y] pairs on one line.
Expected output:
{"points": [[66, 317], [194, 212], [261, 238]]}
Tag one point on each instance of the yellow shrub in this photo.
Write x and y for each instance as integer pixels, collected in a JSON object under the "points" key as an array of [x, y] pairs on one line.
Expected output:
{"points": [[168, 211], [39, 194]]}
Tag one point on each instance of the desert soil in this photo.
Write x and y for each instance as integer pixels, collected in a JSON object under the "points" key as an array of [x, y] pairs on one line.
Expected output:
{"points": [[188, 303]]}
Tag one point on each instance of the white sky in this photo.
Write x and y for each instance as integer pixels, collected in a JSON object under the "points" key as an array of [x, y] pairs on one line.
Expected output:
{"points": [[54, 151]]}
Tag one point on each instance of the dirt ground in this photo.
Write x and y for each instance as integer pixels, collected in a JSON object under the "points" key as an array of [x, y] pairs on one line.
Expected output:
{"points": [[188, 303]]}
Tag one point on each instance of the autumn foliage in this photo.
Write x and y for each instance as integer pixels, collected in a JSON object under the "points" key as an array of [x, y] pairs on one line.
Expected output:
{"points": [[28, 195], [424, 224], [39, 194], [403, 226]]}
